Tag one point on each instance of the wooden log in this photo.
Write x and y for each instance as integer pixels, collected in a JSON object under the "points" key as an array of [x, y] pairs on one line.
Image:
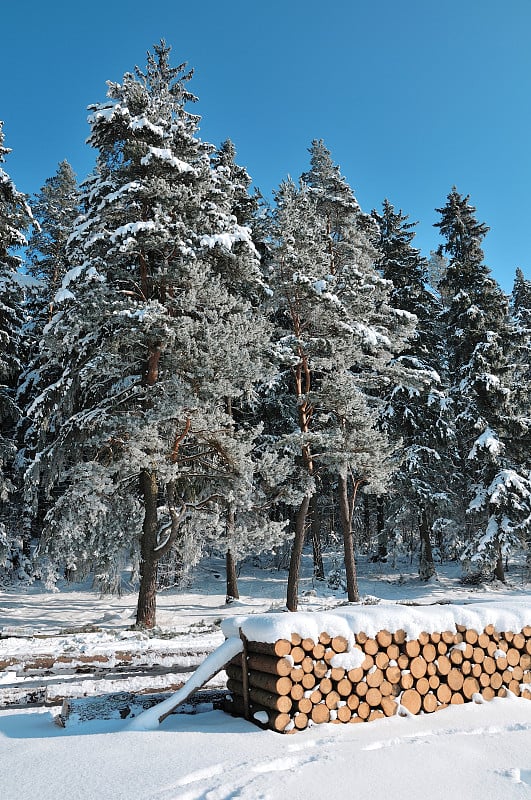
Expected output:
{"points": [[496, 680], [434, 681], [344, 713], [320, 668], [471, 636], [276, 720], [392, 674], [403, 661], [478, 655], [393, 651], [332, 699], [444, 665], [318, 651], [444, 693], [337, 674], [325, 639], [422, 686], [307, 664], [411, 700], [260, 697], [457, 699], [476, 670], [375, 677], [466, 668], [513, 656], [301, 720], [297, 674], [514, 687], [489, 665], [386, 688], [429, 703], [344, 687], [371, 647], [355, 675], [418, 667], [296, 639], [455, 680], [353, 702], [368, 663], [271, 664], [407, 681], [307, 645], [456, 657], [271, 683], [389, 706], [326, 686], [412, 648], [484, 679], [448, 637], [435, 637], [470, 687], [279, 648], [424, 638], [297, 654], [431, 669], [309, 680], [320, 713], [442, 647], [381, 660], [305, 705], [518, 641], [339, 644], [488, 692], [296, 691], [316, 697], [361, 637], [363, 710], [399, 636], [429, 652], [373, 697], [483, 641], [384, 639], [361, 689]]}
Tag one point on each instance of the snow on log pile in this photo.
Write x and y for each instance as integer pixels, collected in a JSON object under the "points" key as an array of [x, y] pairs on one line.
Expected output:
{"points": [[366, 662]]}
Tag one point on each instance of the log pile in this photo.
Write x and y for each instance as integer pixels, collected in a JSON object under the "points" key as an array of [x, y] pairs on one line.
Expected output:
{"points": [[290, 684]]}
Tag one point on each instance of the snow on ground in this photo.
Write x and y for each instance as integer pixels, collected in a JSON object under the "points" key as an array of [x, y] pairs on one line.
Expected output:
{"points": [[476, 751]]}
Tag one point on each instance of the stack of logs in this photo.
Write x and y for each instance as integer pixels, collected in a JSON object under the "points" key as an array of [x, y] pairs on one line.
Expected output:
{"points": [[288, 685]]}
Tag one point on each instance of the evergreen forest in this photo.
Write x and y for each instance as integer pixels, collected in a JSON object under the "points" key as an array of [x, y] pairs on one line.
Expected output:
{"points": [[187, 368]]}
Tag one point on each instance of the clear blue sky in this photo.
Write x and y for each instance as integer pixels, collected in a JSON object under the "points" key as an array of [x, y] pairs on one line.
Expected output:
{"points": [[411, 96]]}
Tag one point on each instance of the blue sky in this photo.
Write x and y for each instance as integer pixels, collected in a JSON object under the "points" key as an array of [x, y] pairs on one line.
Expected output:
{"points": [[411, 97]]}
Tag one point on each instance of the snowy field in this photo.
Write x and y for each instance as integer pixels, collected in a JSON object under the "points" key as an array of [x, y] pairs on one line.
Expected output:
{"points": [[476, 751]]}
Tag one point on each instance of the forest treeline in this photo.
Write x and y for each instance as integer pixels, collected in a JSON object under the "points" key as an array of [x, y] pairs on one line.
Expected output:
{"points": [[185, 367]]}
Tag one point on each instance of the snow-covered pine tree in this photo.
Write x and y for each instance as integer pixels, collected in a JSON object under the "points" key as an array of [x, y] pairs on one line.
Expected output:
{"points": [[55, 208], [155, 338], [479, 333], [336, 336], [15, 219], [351, 235], [417, 412]]}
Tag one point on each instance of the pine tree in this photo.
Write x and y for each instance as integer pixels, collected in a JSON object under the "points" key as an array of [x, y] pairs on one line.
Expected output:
{"points": [[55, 208], [15, 219], [157, 337], [417, 412], [336, 336], [479, 333]]}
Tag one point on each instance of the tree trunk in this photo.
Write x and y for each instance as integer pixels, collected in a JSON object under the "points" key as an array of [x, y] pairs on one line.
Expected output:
{"points": [[426, 565], [346, 509], [232, 578], [318, 567], [380, 525], [499, 572], [296, 555], [147, 594]]}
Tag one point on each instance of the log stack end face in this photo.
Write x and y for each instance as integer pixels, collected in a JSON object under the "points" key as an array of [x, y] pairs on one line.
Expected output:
{"points": [[289, 685]]}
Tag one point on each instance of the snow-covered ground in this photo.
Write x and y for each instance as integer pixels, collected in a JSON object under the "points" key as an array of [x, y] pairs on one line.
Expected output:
{"points": [[476, 751]]}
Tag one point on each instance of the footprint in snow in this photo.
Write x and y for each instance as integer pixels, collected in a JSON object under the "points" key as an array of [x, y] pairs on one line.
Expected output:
{"points": [[283, 764]]}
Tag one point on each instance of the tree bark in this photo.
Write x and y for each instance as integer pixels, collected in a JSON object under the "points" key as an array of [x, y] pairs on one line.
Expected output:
{"points": [[426, 565], [318, 566], [380, 525], [296, 555], [232, 578], [147, 594], [346, 509], [499, 571]]}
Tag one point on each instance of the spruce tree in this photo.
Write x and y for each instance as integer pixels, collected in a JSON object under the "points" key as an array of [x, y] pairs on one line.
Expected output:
{"points": [[336, 336], [479, 334], [15, 219], [55, 208], [416, 412], [157, 337]]}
